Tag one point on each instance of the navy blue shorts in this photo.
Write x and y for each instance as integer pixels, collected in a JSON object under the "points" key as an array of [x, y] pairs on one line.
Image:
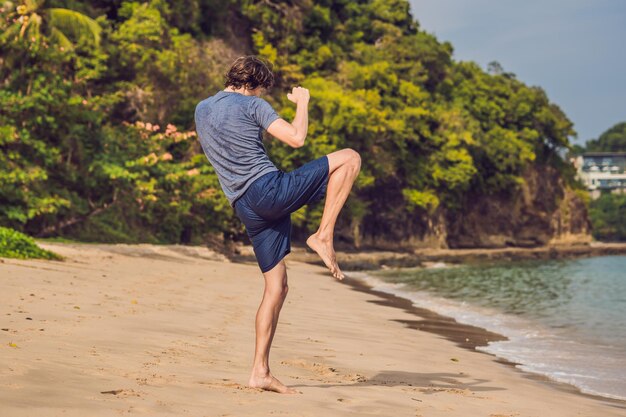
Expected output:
{"points": [[266, 206]]}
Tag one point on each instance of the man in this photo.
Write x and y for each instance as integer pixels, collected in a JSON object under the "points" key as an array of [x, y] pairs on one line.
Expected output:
{"points": [[230, 125]]}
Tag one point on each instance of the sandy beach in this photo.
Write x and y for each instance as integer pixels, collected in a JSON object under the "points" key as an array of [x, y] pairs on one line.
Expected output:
{"points": [[169, 331]]}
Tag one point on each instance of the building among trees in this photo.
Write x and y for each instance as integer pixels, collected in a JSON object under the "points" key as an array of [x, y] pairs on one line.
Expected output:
{"points": [[602, 171]]}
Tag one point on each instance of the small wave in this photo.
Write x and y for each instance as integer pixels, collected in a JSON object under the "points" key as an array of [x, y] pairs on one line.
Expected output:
{"points": [[533, 347], [436, 265]]}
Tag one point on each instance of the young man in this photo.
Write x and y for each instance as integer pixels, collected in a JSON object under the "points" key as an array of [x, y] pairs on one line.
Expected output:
{"points": [[230, 125]]}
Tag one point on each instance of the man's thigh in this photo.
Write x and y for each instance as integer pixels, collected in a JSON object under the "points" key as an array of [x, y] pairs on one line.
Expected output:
{"points": [[304, 185]]}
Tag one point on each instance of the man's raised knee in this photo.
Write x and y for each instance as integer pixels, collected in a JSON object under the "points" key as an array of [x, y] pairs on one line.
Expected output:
{"points": [[344, 157], [355, 157]]}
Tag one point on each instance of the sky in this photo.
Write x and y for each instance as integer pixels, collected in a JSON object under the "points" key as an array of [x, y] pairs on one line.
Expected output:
{"points": [[574, 49]]}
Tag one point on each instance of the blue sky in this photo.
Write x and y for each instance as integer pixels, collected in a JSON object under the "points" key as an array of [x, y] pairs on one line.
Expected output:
{"points": [[574, 49]]}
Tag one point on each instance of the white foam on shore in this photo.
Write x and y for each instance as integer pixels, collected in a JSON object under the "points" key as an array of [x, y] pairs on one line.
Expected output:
{"points": [[593, 369]]}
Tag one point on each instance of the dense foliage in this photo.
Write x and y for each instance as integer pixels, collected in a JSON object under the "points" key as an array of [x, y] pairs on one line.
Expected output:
{"points": [[613, 140], [607, 215], [97, 134], [14, 244], [608, 212]]}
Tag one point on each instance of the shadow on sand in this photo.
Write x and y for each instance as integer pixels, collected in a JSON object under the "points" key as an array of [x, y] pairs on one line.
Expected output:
{"points": [[424, 381]]}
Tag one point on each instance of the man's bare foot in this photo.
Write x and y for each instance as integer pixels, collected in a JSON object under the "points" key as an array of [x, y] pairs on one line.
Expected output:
{"points": [[326, 251], [269, 383]]}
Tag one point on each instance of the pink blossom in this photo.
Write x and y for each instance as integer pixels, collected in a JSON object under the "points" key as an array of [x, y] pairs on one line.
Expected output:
{"points": [[169, 129]]}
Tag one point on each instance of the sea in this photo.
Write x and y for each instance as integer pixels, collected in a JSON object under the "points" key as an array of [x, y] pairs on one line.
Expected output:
{"points": [[564, 319]]}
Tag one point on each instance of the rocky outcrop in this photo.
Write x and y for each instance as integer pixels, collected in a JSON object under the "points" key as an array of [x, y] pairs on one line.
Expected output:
{"points": [[543, 210], [389, 226]]}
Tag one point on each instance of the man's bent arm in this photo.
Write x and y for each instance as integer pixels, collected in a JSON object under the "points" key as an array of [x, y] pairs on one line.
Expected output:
{"points": [[294, 133], [301, 120]]}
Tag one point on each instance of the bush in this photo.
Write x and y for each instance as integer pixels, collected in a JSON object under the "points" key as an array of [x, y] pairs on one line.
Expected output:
{"points": [[14, 244], [607, 215]]}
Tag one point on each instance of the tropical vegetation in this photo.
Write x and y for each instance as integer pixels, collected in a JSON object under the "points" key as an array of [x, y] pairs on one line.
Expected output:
{"points": [[97, 137], [14, 244], [608, 212]]}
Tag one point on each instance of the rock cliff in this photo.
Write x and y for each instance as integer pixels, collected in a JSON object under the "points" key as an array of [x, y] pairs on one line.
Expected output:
{"points": [[541, 211]]}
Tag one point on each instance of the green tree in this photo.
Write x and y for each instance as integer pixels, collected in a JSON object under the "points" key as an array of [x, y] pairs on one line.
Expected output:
{"points": [[78, 159], [607, 216], [32, 21], [613, 140]]}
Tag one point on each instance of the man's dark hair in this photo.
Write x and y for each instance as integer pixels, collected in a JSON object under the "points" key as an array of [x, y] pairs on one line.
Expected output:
{"points": [[250, 72]]}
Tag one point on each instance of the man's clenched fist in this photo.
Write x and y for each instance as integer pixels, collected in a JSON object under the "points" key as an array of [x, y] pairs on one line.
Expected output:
{"points": [[299, 95]]}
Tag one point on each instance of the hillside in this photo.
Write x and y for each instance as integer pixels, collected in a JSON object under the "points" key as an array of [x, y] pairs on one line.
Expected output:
{"points": [[98, 141]]}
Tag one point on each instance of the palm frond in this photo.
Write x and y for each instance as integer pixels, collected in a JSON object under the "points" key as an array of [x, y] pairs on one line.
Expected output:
{"points": [[11, 33], [73, 23], [60, 39]]}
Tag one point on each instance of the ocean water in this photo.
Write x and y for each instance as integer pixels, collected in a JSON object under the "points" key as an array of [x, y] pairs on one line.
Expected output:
{"points": [[565, 319]]}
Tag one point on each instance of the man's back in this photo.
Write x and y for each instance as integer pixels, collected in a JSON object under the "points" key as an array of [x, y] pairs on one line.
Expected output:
{"points": [[229, 127]]}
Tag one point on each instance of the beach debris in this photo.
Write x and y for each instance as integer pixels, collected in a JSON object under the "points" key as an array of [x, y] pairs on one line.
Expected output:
{"points": [[5, 330], [134, 301], [454, 359], [29, 318], [114, 392], [124, 393], [76, 308], [415, 399], [13, 345]]}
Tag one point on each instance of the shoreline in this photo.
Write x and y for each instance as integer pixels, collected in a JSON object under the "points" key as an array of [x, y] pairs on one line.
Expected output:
{"points": [[169, 330], [465, 336], [375, 259], [446, 326]]}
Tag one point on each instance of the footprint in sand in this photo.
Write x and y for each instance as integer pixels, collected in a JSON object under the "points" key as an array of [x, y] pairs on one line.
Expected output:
{"points": [[457, 391], [323, 372], [153, 379], [344, 400]]}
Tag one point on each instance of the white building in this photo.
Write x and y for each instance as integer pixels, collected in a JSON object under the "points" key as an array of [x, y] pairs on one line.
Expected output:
{"points": [[602, 171]]}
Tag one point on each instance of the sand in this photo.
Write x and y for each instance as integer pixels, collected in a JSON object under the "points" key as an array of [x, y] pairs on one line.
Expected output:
{"points": [[168, 331]]}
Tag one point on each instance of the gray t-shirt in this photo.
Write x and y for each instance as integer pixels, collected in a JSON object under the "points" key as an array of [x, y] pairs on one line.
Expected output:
{"points": [[230, 127]]}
